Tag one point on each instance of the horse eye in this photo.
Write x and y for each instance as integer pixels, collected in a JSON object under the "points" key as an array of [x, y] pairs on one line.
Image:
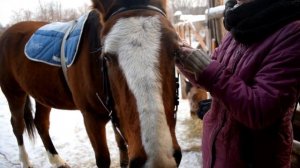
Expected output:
{"points": [[105, 56], [110, 59]]}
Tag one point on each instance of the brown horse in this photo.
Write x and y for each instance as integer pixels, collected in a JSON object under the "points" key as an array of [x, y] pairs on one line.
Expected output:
{"points": [[138, 44], [195, 95]]}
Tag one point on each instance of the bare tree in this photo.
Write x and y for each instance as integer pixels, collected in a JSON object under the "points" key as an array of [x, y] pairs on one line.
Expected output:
{"points": [[21, 15], [1, 29], [50, 12], [84, 8], [189, 6], [70, 14]]}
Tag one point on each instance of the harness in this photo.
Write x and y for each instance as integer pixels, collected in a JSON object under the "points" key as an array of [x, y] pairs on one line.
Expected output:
{"points": [[109, 103]]}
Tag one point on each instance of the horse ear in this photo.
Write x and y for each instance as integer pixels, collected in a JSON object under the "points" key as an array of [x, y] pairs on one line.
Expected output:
{"points": [[97, 5], [101, 5]]}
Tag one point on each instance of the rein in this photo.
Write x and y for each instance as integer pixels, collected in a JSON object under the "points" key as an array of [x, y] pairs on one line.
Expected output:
{"points": [[109, 101]]}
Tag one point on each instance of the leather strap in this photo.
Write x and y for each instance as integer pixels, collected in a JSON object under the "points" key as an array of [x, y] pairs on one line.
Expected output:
{"points": [[62, 51], [125, 9]]}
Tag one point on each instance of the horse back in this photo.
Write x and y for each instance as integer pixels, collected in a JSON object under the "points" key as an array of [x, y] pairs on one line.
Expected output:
{"points": [[12, 44], [15, 38]]}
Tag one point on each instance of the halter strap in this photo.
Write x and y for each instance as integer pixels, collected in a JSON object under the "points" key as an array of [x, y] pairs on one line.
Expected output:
{"points": [[137, 7], [109, 103]]}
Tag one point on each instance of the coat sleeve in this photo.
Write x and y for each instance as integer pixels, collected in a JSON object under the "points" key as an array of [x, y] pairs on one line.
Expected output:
{"points": [[272, 93]]}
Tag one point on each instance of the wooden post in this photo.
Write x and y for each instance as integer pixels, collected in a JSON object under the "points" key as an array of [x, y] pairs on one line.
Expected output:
{"points": [[215, 24]]}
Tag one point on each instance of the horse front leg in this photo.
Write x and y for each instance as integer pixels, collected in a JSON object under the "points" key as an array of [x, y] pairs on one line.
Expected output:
{"points": [[42, 124], [95, 127], [123, 151]]}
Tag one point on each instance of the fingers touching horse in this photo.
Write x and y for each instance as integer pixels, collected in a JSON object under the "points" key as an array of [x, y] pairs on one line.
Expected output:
{"points": [[138, 44]]}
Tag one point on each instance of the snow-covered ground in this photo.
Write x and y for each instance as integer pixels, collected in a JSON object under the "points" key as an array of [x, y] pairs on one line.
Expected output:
{"points": [[71, 141]]}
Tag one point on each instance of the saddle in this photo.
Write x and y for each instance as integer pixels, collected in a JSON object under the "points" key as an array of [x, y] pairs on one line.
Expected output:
{"points": [[50, 41]]}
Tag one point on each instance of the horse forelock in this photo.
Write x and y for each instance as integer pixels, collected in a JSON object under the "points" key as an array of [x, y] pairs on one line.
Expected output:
{"points": [[136, 42]]}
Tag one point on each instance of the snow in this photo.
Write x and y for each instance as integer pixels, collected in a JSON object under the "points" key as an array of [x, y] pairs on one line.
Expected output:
{"points": [[70, 139]]}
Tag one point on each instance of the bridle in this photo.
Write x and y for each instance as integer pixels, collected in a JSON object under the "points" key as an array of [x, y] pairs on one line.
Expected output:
{"points": [[135, 7], [109, 102]]}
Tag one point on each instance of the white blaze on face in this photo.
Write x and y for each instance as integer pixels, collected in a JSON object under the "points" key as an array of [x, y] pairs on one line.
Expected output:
{"points": [[136, 42]]}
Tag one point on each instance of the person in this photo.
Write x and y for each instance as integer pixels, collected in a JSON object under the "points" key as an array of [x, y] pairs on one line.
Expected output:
{"points": [[253, 77]]}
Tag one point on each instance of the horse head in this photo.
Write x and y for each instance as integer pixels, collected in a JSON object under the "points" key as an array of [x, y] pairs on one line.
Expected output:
{"points": [[138, 44]]}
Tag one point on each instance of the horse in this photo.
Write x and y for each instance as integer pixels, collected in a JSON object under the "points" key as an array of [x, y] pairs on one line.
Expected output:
{"points": [[123, 72], [195, 95]]}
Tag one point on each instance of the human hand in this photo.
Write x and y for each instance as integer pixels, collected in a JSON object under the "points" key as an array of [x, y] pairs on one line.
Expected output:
{"points": [[191, 62]]}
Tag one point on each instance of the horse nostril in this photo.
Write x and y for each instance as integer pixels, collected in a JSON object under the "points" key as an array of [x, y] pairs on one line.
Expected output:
{"points": [[177, 155]]}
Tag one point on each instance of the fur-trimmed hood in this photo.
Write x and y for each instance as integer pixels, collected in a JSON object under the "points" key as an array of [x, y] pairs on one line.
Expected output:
{"points": [[256, 20]]}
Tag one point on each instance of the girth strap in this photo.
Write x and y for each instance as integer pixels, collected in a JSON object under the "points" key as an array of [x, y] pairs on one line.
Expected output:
{"points": [[62, 51]]}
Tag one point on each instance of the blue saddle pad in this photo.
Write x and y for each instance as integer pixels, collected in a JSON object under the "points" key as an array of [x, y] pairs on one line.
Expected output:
{"points": [[45, 44]]}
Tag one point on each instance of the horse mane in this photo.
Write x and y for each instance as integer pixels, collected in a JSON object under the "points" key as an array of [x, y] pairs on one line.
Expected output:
{"points": [[93, 24], [129, 3], [96, 5]]}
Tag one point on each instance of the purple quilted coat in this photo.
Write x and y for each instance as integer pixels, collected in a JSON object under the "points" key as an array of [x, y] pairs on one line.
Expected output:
{"points": [[254, 90]]}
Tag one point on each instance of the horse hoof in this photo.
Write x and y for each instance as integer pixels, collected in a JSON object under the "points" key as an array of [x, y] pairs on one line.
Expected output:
{"points": [[124, 165], [64, 166], [28, 166]]}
